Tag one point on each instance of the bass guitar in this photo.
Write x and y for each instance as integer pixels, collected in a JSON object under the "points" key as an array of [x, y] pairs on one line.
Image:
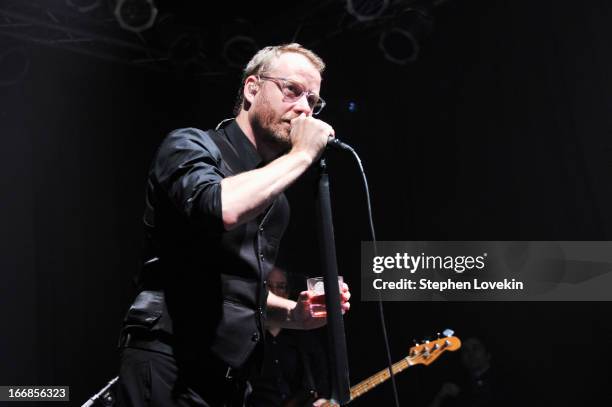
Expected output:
{"points": [[423, 354]]}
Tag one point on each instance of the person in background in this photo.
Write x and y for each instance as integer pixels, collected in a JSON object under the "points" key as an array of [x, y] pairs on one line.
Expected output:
{"points": [[294, 370], [480, 387]]}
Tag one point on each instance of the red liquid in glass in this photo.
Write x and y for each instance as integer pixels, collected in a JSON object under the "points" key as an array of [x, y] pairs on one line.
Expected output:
{"points": [[317, 306]]}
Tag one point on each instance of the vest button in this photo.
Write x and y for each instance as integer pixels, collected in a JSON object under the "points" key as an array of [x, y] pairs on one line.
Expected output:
{"points": [[255, 337]]}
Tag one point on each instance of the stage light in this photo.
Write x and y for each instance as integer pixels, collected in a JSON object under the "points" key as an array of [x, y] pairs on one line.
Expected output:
{"points": [[182, 43], [366, 10], [84, 6], [238, 50], [135, 15], [399, 46], [401, 43]]}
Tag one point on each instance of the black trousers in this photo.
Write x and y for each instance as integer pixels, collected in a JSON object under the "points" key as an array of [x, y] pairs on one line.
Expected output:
{"points": [[153, 379]]}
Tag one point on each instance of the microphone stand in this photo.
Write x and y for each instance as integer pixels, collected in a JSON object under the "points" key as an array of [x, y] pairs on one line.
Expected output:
{"points": [[104, 394], [340, 390]]}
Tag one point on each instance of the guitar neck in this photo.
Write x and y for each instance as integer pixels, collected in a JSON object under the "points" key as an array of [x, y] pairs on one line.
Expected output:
{"points": [[424, 354], [378, 378]]}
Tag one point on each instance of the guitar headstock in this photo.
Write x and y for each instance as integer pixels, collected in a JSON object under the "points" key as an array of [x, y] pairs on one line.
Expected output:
{"points": [[428, 351]]}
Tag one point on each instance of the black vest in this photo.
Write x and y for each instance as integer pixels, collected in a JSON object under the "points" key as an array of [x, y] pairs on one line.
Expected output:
{"points": [[202, 286]]}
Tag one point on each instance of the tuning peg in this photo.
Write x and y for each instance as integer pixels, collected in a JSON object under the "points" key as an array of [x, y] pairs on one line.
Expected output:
{"points": [[438, 335], [448, 332], [416, 343]]}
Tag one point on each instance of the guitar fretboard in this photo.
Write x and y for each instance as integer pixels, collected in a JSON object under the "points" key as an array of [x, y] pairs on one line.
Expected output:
{"points": [[373, 381], [420, 354]]}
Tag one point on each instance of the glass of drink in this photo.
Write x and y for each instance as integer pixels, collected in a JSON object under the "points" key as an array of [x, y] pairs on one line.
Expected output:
{"points": [[317, 302]]}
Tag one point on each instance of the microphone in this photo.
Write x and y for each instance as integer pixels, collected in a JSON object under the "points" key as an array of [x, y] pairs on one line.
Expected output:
{"points": [[337, 144]]}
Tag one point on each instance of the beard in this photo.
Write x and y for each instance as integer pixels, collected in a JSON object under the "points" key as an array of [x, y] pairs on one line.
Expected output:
{"points": [[273, 131]]}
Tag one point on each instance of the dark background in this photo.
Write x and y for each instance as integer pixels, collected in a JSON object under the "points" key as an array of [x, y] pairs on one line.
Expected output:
{"points": [[499, 131]]}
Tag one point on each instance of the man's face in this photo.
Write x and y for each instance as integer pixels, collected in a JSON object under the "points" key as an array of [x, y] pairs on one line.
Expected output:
{"points": [[277, 283], [270, 114]]}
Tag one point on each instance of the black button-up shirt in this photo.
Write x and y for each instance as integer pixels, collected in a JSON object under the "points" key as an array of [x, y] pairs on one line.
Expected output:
{"points": [[295, 368], [207, 283]]}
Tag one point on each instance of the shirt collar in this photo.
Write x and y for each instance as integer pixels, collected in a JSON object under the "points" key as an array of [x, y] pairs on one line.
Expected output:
{"points": [[245, 149]]}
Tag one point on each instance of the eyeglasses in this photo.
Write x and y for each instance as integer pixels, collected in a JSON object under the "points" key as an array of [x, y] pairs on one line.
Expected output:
{"points": [[293, 91]]}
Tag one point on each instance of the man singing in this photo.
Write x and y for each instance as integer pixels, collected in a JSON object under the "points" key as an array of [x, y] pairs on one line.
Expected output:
{"points": [[215, 213]]}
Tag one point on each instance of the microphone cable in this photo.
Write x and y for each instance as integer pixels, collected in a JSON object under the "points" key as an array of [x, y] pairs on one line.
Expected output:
{"points": [[346, 147]]}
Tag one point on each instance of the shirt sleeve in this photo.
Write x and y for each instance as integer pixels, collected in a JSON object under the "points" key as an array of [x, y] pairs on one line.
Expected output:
{"points": [[187, 169]]}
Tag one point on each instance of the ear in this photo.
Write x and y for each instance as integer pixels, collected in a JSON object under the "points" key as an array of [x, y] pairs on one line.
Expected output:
{"points": [[251, 87]]}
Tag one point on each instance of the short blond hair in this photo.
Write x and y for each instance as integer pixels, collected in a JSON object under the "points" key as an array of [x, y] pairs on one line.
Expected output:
{"points": [[262, 62]]}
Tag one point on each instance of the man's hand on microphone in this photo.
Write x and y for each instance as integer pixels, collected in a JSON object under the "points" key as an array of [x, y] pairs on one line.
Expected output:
{"points": [[309, 136], [246, 195]]}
